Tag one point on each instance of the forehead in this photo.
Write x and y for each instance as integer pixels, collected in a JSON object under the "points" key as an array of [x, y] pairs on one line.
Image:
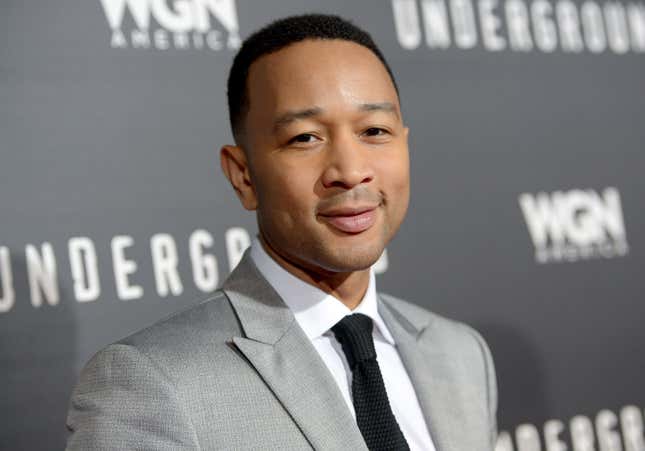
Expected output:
{"points": [[322, 73]]}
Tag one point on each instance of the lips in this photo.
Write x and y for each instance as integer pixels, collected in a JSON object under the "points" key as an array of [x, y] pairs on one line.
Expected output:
{"points": [[351, 220]]}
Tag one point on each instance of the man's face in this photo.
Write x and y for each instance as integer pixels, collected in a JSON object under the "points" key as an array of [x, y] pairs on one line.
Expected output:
{"points": [[327, 154]]}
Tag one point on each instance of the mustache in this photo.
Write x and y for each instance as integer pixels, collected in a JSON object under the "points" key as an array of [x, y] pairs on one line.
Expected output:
{"points": [[358, 196]]}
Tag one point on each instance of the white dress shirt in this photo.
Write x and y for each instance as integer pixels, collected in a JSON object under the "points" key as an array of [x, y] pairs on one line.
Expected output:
{"points": [[316, 312]]}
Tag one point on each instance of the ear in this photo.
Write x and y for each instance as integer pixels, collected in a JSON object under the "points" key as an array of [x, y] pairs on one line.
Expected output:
{"points": [[236, 168]]}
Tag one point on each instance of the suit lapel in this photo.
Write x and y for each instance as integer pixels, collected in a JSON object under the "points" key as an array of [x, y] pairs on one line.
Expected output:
{"points": [[288, 363], [430, 371]]}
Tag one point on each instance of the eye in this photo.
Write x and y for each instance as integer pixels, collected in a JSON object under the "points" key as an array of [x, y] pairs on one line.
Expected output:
{"points": [[375, 131], [303, 138]]}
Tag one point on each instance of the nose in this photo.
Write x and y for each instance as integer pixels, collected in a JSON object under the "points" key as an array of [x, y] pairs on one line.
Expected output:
{"points": [[348, 163]]}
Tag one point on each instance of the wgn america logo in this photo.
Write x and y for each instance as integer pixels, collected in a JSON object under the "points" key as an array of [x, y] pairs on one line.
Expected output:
{"points": [[575, 225], [179, 24]]}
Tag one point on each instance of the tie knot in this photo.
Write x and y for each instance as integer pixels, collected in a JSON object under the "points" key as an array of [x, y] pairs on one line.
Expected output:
{"points": [[354, 333]]}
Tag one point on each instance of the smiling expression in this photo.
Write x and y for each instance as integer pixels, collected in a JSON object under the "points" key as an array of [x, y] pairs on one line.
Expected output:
{"points": [[325, 161]]}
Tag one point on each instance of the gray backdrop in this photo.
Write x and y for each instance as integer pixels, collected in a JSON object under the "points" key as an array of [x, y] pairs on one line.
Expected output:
{"points": [[526, 218]]}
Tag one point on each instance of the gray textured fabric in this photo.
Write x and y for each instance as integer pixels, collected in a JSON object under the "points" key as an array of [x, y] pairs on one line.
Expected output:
{"points": [[236, 372]]}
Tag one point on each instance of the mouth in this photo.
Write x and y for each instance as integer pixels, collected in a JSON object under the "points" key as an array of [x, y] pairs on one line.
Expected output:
{"points": [[351, 220]]}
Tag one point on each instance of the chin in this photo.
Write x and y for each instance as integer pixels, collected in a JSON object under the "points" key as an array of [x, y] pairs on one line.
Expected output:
{"points": [[350, 259]]}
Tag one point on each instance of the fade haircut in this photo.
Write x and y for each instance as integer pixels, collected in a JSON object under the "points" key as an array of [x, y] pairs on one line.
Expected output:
{"points": [[276, 36]]}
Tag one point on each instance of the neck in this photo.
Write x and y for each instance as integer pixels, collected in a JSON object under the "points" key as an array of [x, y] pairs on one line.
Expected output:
{"points": [[348, 287]]}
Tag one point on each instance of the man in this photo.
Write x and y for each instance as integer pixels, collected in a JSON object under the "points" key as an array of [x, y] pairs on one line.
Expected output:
{"points": [[297, 350]]}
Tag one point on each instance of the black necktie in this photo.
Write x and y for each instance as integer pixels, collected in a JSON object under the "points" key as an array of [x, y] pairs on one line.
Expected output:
{"points": [[373, 413]]}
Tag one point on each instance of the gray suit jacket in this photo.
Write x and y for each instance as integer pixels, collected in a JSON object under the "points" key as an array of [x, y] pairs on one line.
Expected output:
{"points": [[236, 372]]}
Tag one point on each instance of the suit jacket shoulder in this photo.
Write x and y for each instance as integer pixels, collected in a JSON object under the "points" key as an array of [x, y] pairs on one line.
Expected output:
{"points": [[183, 336], [466, 355], [179, 384], [450, 329]]}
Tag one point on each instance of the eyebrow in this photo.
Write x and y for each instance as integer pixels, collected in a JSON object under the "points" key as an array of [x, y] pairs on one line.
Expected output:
{"points": [[290, 116], [387, 107]]}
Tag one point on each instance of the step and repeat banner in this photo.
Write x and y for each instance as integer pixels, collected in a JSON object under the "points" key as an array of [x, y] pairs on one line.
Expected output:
{"points": [[527, 217]]}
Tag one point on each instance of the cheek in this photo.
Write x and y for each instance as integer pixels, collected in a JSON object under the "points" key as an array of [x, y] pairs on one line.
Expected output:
{"points": [[287, 190], [394, 169]]}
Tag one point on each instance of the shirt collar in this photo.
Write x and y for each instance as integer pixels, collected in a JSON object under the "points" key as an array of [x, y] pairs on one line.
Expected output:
{"points": [[315, 311]]}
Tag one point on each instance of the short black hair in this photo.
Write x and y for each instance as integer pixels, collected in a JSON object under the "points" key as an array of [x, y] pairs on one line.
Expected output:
{"points": [[280, 34]]}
